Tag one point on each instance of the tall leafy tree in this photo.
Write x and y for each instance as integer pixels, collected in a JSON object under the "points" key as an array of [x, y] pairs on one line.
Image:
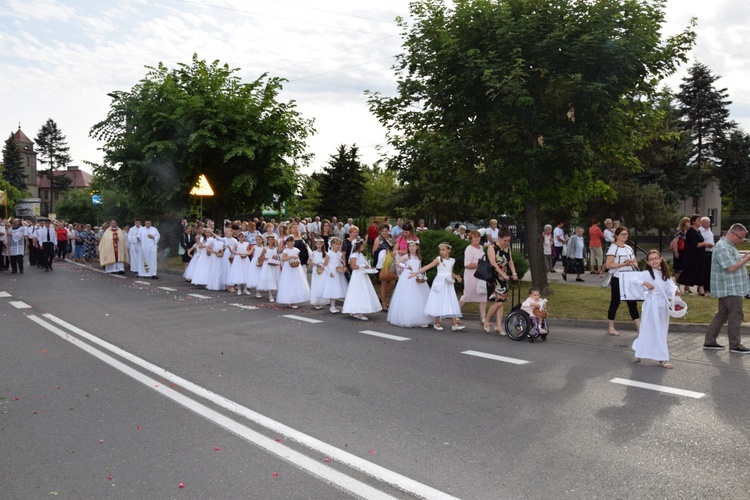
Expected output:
{"points": [[53, 152], [13, 164], [705, 114], [734, 173], [200, 118], [525, 103], [342, 184]]}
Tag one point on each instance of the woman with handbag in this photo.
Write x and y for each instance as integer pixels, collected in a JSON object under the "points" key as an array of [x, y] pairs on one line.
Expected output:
{"points": [[501, 260], [383, 257], [472, 292], [620, 259]]}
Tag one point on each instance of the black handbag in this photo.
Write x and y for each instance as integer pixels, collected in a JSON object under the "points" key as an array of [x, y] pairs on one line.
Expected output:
{"points": [[484, 270]]}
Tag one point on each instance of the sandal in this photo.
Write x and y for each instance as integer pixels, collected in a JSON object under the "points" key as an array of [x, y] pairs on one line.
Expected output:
{"points": [[486, 327], [613, 332], [500, 332], [666, 364]]}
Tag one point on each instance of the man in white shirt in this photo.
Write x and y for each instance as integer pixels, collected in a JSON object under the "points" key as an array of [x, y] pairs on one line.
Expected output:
{"points": [[347, 226], [34, 252], [17, 245], [149, 239], [314, 228], [708, 238], [559, 240], [46, 239]]}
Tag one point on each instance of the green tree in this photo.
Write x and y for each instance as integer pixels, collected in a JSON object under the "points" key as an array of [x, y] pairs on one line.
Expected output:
{"points": [[734, 173], [705, 114], [524, 103], [342, 184], [13, 164], [381, 186], [199, 118], [14, 195], [53, 152]]}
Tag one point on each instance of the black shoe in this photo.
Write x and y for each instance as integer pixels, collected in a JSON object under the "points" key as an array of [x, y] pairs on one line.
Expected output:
{"points": [[120, 272], [579, 279], [713, 347], [154, 277], [552, 271], [14, 272], [740, 349], [565, 276], [50, 268]]}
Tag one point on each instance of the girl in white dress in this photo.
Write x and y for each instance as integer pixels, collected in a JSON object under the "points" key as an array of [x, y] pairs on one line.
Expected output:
{"points": [[652, 335], [361, 297], [410, 297], [200, 275], [334, 284], [442, 300], [196, 252], [253, 274], [230, 243], [241, 264], [293, 287], [268, 281], [215, 264], [317, 258]]}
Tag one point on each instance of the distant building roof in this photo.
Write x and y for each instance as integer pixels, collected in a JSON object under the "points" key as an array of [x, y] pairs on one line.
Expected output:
{"points": [[78, 178], [19, 136]]}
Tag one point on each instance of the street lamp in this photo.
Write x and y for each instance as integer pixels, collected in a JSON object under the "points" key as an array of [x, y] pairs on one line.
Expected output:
{"points": [[201, 189]]}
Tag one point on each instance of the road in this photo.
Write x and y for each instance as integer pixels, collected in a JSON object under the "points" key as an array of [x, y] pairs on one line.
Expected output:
{"points": [[113, 387]]}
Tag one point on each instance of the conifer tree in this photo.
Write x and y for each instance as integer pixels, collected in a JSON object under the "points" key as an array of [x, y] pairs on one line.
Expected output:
{"points": [[13, 164]]}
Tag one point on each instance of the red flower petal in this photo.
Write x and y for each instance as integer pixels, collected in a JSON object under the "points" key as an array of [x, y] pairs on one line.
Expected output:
{"points": [[275, 474], [372, 452], [217, 449], [181, 485]]}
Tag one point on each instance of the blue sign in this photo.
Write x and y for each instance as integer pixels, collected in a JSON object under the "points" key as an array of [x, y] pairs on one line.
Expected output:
{"points": [[96, 199]]}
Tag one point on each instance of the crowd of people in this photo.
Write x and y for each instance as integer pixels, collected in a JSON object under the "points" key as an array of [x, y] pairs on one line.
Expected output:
{"points": [[272, 260]]}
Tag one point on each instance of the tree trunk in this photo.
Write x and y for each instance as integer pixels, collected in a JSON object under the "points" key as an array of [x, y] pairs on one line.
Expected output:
{"points": [[535, 247]]}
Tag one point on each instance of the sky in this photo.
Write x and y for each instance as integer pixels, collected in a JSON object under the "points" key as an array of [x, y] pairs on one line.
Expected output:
{"points": [[60, 58]]}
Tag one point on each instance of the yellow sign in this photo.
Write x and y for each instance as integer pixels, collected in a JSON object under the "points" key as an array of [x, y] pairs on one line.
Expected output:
{"points": [[202, 188], [3, 197]]}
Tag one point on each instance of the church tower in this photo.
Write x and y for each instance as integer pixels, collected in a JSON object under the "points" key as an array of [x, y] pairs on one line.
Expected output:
{"points": [[29, 161]]}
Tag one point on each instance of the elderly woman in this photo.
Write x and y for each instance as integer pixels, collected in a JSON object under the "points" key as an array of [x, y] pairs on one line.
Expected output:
{"points": [[89, 244], [472, 255], [492, 232], [695, 248], [547, 247]]}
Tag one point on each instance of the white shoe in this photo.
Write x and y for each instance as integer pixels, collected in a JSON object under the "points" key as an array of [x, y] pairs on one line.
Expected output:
{"points": [[318, 307], [335, 311], [438, 327], [424, 326], [270, 299], [362, 317], [247, 292], [457, 327], [258, 296], [293, 306], [239, 292]]}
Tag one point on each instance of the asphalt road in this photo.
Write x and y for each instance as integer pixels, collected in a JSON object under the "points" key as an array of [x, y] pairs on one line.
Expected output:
{"points": [[113, 387]]}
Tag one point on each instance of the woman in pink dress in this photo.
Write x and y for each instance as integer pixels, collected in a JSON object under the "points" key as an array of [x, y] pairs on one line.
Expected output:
{"points": [[472, 255]]}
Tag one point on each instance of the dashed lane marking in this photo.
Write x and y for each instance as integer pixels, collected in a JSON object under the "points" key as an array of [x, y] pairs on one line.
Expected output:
{"points": [[19, 305], [142, 282], [384, 335], [495, 357], [5, 294], [245, 306], [658, 388], [302, 318], [198, 296], [165, 288]]}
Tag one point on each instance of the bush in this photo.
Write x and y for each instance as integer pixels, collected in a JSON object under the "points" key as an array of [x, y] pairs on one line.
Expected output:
{"points": [[522, 265]]}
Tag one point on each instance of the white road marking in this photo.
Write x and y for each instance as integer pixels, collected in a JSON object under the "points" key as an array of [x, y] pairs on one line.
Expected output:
{"points": [[166, 288], [245, 306], [496, 357], [314, 467], [5, 294], [301, 318], [381, 473], [199, 296], [142, 282], [659, 388], [384, 335], [19, 305]]}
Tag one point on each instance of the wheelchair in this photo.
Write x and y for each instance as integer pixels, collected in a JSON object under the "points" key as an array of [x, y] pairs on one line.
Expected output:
{"points": [[519, 324]]}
